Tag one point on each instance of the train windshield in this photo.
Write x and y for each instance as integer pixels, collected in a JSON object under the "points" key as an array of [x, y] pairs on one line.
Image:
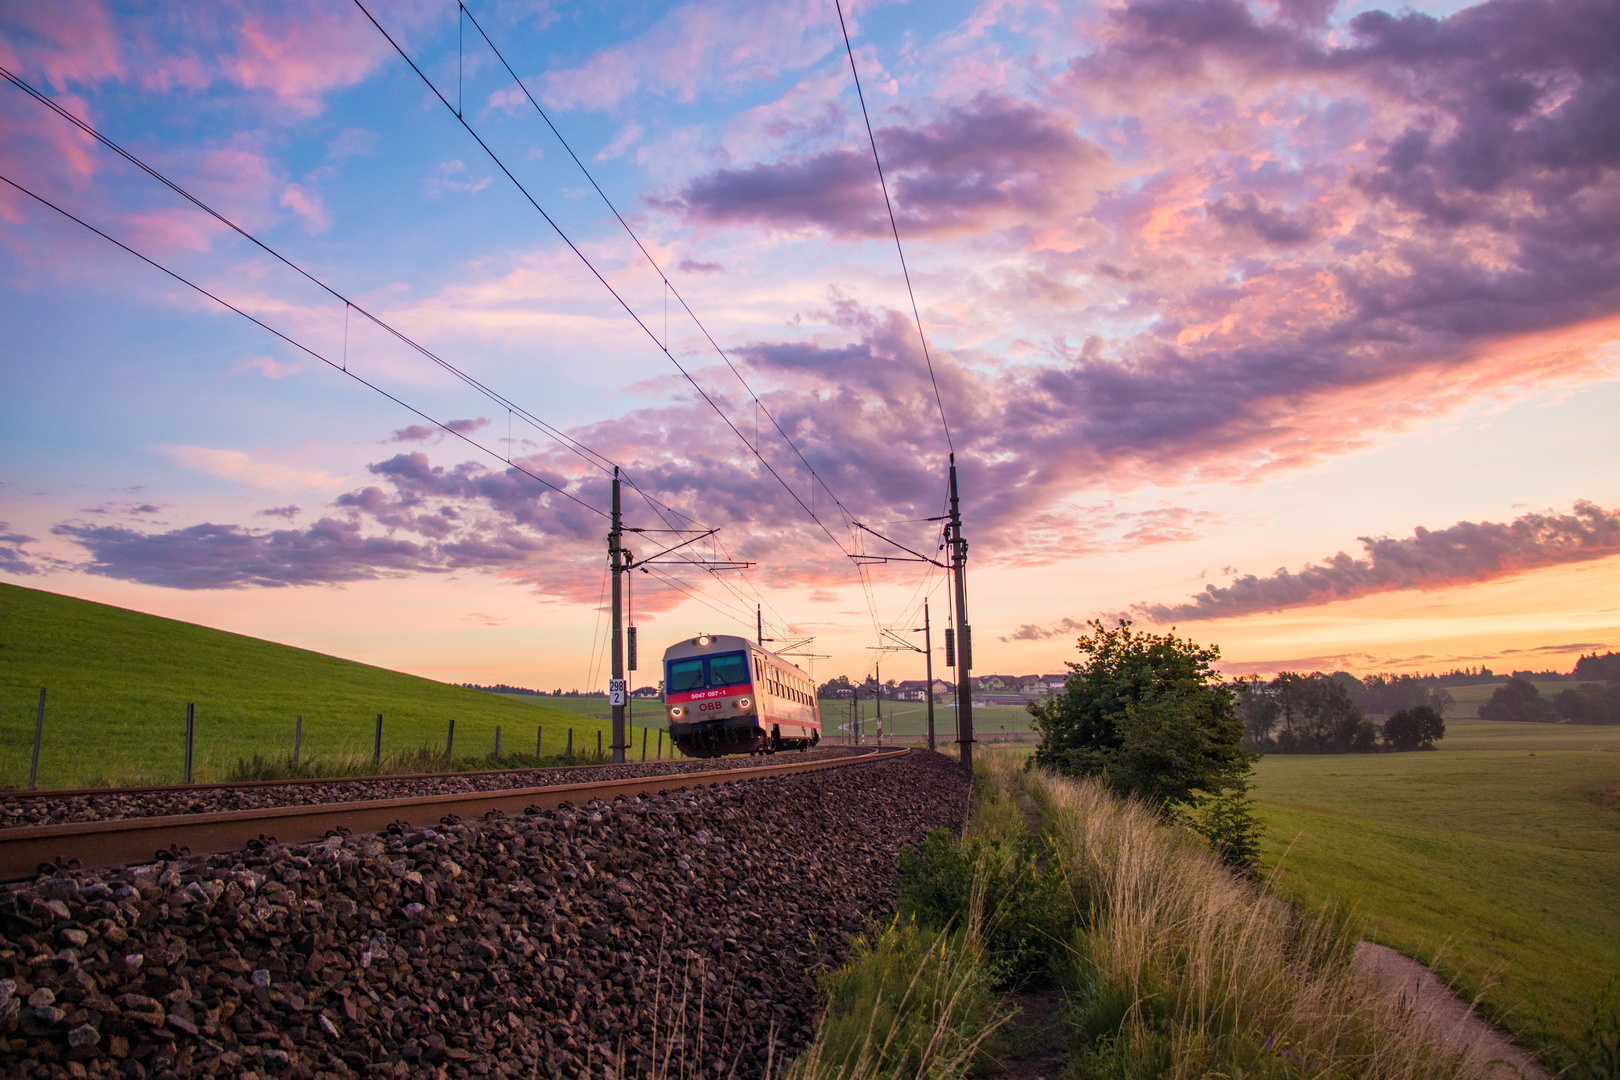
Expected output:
{"points": [[728, 669], [686, 675]]}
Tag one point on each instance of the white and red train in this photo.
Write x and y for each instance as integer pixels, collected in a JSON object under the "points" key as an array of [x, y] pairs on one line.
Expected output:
{"points": [[726, 695]]}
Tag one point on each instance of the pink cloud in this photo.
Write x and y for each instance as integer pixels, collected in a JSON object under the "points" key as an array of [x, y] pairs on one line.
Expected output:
{"points": [[270, 369], [697, 48], [66, 44], [299, 55], [306, 203]]}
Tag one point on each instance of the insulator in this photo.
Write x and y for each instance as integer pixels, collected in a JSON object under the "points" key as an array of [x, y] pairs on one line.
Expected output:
{"points": [[967, 647], [950, 646], [630, 648]]}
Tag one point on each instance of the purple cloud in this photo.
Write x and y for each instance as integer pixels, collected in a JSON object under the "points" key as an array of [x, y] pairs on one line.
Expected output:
{"points": [[288, 512], [692, 267], [211, 556], [13, 560], [413, 433], [423, 432], [1465, 553], [988, 159]]}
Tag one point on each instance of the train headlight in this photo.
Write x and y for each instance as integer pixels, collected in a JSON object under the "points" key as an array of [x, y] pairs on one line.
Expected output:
{"points": [[703, 642], [677, 712], [743, 703]]}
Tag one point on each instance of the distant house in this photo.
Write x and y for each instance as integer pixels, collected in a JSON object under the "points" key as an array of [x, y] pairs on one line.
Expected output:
{"points": [[646, 693], [917, 689], [1055, 684]]}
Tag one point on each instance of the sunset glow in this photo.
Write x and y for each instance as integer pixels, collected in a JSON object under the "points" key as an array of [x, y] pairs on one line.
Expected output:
{"points": [[1291, 324]]}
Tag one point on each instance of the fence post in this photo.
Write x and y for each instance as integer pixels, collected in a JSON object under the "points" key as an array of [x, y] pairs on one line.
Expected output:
{"points": [[659, 754], [570, 742], [539, 733], [497, 742], [376, 749], [298, 739], [599, 744], [643, 744], [450, 741], [39, 730], [191, 727]]}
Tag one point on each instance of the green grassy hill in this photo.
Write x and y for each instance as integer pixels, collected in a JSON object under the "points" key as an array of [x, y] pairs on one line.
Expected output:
{"points": [[118, 682]]}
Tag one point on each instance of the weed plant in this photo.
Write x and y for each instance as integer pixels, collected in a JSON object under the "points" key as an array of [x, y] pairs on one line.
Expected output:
{"points": [[911, 1002]]}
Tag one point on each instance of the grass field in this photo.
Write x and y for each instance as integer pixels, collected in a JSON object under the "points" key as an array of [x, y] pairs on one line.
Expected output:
{"points": [[118, 683], [1496, 857], [909, 719]]}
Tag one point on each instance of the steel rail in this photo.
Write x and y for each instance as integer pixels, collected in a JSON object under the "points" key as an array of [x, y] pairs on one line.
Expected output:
{"points": [[28, 850], [313, 781]]}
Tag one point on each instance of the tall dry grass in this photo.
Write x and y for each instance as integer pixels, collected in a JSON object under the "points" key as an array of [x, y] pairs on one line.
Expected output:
{"points": [[1180, 968]]}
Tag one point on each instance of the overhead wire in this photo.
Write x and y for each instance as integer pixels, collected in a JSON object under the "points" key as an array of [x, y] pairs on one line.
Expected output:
{"points": [[895, 228], [562, 438], [652, 335], [661, 344], [669, 286], [300, 346]]}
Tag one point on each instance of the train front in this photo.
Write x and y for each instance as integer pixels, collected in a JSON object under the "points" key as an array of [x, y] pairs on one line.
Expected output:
{"points": [[709, 696]]}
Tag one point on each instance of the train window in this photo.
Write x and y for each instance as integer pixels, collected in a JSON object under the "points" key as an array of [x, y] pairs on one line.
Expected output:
{"points": [[686, 675], [728, 669]]}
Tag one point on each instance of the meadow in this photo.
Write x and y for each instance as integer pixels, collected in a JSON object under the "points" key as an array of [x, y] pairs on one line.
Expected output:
{"points": [[118, 683], [1496, 858], [909, 720]]}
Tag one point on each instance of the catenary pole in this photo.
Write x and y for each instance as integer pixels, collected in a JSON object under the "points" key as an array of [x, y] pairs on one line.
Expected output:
{"points": [[928, 658], [964, 637], [615, 561], [878, 667]]}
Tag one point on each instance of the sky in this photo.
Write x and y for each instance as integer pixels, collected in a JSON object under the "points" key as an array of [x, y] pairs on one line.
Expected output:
{"points": [[1291, 325]]}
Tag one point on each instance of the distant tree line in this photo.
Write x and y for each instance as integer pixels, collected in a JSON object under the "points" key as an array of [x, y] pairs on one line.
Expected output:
{"points": [[1317, 714], [1584, 703]]}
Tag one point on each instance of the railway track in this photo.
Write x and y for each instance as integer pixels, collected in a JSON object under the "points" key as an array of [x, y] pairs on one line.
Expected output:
{"points": [[29, 850]]}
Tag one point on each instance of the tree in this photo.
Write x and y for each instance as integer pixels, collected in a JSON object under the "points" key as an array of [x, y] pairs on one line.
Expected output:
{"points": [[1589, 703], [1149, 715], [1260, 711], [1414, 729], [835, 688], [1317, 716], [1518, 700]]}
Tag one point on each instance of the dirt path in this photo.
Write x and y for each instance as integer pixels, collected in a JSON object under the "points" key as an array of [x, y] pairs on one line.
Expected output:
{"points": [[1451, 1022]]}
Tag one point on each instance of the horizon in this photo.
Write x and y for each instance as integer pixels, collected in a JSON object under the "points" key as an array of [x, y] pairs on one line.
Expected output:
{"points": [[1290, 325]]}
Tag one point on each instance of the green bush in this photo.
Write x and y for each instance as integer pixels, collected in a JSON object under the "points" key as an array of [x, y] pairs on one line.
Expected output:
{"points": [[1228, 823], [1027, 909]]}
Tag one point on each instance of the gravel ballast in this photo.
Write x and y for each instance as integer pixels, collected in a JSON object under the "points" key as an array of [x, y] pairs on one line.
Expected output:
{"points": [[46, 808], [662, 936]]}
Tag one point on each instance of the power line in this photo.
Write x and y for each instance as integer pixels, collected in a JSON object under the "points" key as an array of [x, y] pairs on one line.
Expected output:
{"points": [[895, 227], [562, 438], [663, 277], [299, 345], [651, 335]]}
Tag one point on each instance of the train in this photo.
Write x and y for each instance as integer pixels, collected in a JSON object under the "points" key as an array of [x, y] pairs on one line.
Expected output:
{"points": [[725, 694]]}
